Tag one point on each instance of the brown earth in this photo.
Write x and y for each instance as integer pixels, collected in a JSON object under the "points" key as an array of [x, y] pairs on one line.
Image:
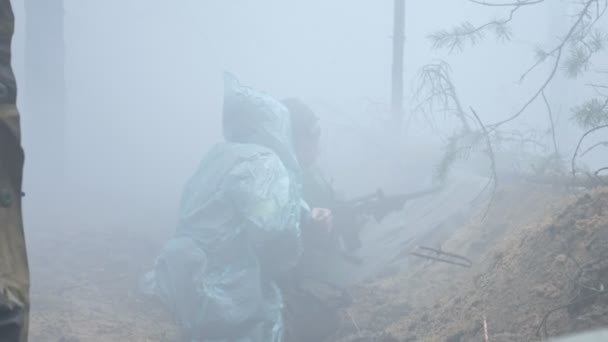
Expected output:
{"points": [[540, 265], [85, 271]]}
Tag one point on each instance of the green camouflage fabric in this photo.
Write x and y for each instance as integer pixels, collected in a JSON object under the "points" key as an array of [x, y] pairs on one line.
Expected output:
{"points": [[14, 274]]}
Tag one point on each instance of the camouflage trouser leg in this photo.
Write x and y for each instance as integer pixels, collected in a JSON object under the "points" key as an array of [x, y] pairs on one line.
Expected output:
{"points": [[14, 273], [13, 321]]}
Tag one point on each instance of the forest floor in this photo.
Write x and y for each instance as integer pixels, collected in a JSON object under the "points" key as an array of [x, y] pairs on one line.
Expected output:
{"points": [[540, 263], [85, 275]]}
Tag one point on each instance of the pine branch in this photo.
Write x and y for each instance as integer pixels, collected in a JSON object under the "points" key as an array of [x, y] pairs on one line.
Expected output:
{"points": [[592, 113], [456, 37], [557, 52]]}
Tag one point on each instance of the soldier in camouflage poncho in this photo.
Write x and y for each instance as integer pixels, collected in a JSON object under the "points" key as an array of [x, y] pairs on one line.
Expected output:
{"points": [[14, 274]]}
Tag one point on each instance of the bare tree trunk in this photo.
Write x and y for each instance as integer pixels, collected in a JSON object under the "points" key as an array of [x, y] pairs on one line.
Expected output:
{"points": [[45, 84], [397, 73]]}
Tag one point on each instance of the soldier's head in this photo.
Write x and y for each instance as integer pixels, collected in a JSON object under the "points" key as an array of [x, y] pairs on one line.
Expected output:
{"points": [[306, 131]]}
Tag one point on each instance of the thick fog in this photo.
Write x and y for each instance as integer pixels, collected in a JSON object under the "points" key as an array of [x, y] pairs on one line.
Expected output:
{"points": [[144, 88], [144, 94]]}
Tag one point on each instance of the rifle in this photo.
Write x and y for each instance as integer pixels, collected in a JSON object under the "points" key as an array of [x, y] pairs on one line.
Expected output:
{"points": [[347, 214]]}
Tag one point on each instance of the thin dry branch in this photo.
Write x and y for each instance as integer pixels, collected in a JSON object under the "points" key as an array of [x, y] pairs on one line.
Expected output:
{"points": [[597, 88], [435, 81], [557, 53], [598, 176], [550, 113], [594, 146], [490, 151], [578, 146], [600, 170]]}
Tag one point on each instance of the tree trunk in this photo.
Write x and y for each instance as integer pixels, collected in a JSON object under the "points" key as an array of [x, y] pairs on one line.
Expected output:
{"points": [[397, 72], [45, 84]]}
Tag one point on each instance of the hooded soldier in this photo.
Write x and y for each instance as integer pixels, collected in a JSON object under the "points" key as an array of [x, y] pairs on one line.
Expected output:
{"points": [[239, 227]]}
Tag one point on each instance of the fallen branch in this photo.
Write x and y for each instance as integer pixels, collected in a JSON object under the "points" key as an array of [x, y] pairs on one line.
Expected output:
{"points": [[441, 256]]}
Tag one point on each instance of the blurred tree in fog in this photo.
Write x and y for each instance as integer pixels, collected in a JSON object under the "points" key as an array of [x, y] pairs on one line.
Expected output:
{"points": [[45, 99], [397, 68]]}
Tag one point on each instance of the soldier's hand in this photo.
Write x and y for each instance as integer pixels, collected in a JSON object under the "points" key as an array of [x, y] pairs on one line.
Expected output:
{"points": [[322, 219]]}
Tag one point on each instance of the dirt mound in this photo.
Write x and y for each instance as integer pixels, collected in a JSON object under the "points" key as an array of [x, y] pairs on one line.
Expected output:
{"points": [[540, 269]]}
